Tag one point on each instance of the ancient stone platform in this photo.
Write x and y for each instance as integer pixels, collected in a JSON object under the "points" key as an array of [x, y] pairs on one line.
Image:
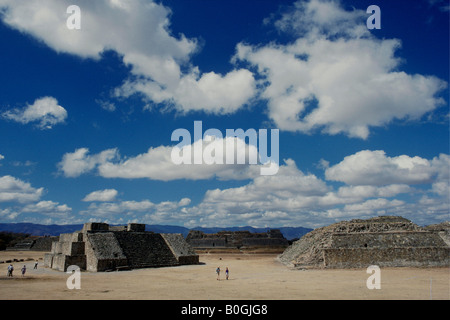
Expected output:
{"points": [[387, 241], [236, 240], [99, 247]]}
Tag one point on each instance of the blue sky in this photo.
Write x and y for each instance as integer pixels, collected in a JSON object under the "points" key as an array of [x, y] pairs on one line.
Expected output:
{"points": [[86, 115]]}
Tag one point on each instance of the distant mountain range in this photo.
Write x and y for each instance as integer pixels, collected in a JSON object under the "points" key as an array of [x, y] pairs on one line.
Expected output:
{"points": [[289, 233]]}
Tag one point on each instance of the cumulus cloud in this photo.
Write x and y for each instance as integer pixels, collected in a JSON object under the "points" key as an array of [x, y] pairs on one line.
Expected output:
{"points": [[414, 187], [45, 112], [144, 211], [101, 195], [22, 198], [376, 168], [79, 162], [373, 184], [307, 88], [293, 197], [336, 77], [48, 208], [157, 163], [287, 197], [16, 190], [156, 57], [318, 17]]}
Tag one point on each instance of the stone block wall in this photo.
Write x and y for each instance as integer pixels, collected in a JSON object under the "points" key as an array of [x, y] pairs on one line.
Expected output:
{"points": [[61, 261], [95, 226], [145, 249], [136, 227], [48, 260], [236, 239], [103, 252], [44, 243], [263, 242], [386, 257], [100, 248], [387, 239], [69, 250], [180, 248], [384, 241], [391, 249], [209, 243]]}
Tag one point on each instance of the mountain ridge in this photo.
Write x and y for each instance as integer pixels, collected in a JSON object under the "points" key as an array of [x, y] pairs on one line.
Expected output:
{"points": [[33, 229]]}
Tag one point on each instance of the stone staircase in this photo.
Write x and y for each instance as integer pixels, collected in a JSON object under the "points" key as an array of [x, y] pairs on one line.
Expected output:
{"points": [[144, 249]]}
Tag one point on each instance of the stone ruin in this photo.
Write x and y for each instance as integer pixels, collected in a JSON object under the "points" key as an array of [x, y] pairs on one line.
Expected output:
{"points": [[34, 243], [236, 239], [100, 247], [386, 241]]}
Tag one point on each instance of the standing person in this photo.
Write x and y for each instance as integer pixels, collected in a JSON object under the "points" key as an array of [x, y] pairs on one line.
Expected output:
{"points": [[10, 270], [24, 269], [226, 273], [218, 273], [35, 265]]}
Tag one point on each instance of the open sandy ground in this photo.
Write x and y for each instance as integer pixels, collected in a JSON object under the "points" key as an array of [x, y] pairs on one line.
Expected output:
{"points": [[252, 277]]}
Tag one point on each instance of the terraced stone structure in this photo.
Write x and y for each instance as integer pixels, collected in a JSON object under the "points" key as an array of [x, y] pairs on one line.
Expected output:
{"points": [[100, 247], [387, 241], [34, 243], [236, 239]]}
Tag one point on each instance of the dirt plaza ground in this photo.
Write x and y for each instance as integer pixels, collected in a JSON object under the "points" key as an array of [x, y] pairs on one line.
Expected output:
{"points": [[252, 277]]}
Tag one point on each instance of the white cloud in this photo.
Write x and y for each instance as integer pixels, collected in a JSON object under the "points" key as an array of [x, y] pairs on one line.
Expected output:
{"points": [[105, 105], [294, 198], [157, 164], [144, 211], [322, 17], [372, 205], [101, 195], [215, 93], [155, 56], [23, 199], [375, 184], [44, 111], [111, 209], [337, 77], [48, 208], [16, 190], [79, 162], [367, 191], [8, 213], [105, 25], [184, 202], [288, 184], [376, 168], [287, 197], [442, 188]]}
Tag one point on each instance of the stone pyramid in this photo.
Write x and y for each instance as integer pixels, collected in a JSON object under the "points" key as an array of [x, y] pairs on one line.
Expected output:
{"points": [[384, 241]]}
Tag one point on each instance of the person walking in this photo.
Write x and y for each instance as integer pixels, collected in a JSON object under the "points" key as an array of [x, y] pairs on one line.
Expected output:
{"points": [[24, 269], [35, 265], [227, 273], [10, 270], [218, 273]]}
